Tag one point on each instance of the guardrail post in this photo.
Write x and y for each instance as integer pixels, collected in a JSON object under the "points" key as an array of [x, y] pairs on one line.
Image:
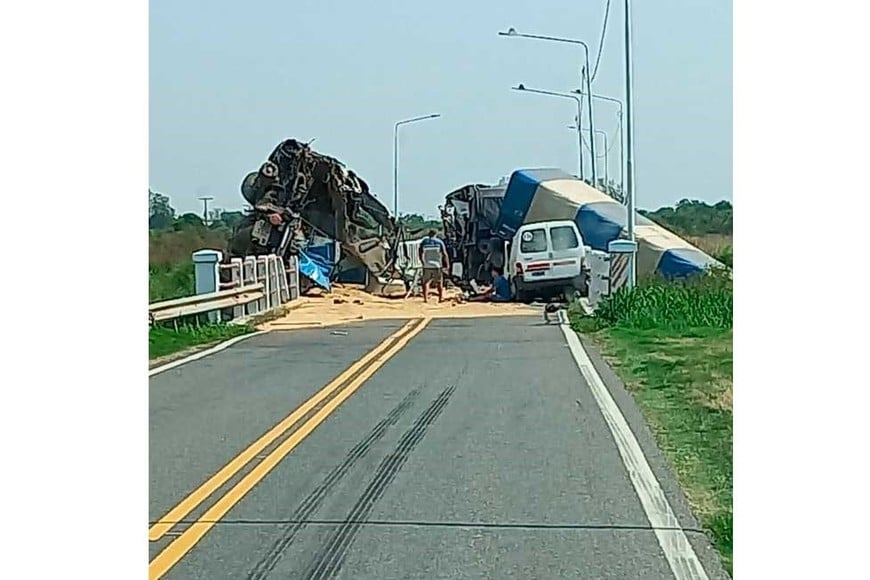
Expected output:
{"points": [[206, 271], [272, 272], [262, 276], [293, 278], [238, 279], [249, 276], [283, 290]]}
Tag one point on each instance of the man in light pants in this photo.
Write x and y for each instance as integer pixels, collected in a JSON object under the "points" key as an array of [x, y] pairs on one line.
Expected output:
{"points": [[433, 256]]}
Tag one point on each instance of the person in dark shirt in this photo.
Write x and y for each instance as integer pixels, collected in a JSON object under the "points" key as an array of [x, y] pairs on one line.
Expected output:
{"points": [[500, 290]]}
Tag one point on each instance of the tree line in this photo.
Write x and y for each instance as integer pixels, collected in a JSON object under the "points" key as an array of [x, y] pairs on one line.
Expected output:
{"points": [[690, 217]]}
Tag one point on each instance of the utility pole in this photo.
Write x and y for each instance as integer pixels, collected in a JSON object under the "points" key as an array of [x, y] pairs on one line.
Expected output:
{"points": [[629, 144], [205, 200]]}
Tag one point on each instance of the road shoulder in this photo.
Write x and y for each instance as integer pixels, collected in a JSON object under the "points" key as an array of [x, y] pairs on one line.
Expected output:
{"points": [[659, 464]]}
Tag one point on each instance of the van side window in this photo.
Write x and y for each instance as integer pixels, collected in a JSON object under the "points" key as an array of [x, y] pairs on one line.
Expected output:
{"points": [[533, 241], [563, 238]]}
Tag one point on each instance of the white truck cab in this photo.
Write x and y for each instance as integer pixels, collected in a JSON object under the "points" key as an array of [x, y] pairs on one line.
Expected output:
{"points": [[544, 259]]}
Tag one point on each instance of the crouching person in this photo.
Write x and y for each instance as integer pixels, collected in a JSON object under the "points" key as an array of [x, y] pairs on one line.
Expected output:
{"points": [[500, 290]]}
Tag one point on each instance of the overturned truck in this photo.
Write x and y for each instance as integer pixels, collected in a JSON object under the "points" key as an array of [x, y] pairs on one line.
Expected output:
{"points": [[299, 196], [479, 220]]}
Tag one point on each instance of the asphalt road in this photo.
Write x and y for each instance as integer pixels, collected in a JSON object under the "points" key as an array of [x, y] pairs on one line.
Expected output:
{"points": [[476, 451]]}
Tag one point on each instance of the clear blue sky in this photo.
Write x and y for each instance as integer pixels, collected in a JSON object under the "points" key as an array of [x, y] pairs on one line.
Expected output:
{"points": [[229, 80]]}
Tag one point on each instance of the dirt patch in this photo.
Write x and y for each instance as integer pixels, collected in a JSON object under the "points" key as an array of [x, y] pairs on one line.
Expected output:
{"points": [[350, 303]]}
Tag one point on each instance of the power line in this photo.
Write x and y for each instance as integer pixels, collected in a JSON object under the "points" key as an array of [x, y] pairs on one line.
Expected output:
{"points": [[601, 41]]}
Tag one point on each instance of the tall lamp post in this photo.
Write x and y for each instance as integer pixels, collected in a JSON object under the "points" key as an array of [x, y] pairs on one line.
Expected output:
{"points": [[603, 155], [522, 88], [396, 157], [629, 143], [621, 116], [585, 76], [606, 150]]}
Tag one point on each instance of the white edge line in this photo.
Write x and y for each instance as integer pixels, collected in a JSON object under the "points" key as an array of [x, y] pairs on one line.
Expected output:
{"points": [[204, 353], [678, 551]]}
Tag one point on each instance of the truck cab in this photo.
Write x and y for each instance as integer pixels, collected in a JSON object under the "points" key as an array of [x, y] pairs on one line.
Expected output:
{"points": [[546, 259]]}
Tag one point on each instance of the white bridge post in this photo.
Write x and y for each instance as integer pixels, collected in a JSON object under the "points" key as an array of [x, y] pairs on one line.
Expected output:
{"points": [[206, 271]]}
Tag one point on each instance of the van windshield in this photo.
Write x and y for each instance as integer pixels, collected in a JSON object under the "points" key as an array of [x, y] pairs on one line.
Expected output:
{"points": [[563, 238], [533, 241]]}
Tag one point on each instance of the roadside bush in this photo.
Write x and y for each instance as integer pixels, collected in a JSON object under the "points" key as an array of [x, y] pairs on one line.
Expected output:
{"points": [[171, 247], [168, 282], [703, 301]]}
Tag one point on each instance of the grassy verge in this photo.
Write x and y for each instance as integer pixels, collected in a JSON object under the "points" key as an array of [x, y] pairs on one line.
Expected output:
{"points": [[165, 341], [168, 282], [672, 346]]}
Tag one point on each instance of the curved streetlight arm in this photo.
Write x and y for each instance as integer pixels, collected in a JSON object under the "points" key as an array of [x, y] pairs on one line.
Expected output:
{"points": [[620, 113], [597, 96], [522, 89], [586, 76], [514, 33], [415, 119]]}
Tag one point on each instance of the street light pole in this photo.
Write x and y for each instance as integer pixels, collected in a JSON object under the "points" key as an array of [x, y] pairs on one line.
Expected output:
{"points": [[522, 88], [604, 155], [606, 150], [621, 117], [396, 157], [629, 142], [585, 77]]}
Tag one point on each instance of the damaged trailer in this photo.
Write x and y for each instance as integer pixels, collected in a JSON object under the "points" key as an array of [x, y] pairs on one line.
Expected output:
{"points": [[537, 195], [302, 202]]}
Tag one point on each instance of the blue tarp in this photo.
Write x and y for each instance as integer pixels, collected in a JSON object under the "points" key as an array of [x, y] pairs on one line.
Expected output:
{"points": [[318, 263], [682, 262], [518, 198]]}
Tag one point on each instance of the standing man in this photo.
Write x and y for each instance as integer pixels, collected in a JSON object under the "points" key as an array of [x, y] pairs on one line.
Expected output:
{"points": [[433, 256]]}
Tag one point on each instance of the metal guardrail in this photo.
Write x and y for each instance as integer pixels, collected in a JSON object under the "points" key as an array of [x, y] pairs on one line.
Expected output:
{"points": [[203, 303], [256, 285]]}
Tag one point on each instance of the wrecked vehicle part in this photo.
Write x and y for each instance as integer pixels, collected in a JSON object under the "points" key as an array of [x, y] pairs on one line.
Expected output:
{"points": [[469, 218], [315, 195]]}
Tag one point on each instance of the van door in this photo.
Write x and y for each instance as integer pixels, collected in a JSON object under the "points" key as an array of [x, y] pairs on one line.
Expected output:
{"points": [[565, 250], [533, 254]]}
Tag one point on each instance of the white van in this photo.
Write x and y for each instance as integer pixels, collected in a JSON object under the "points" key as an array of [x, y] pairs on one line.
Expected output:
{"points": [[545, 259]]}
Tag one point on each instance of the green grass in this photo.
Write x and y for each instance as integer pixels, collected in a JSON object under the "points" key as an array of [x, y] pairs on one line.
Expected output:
{"points": [[698, 302], [168, 282], [164, 341], [672, 346]]}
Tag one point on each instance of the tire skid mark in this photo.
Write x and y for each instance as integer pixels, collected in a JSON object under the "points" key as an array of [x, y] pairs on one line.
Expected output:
{"points": [[328, 562], [315, 499]]}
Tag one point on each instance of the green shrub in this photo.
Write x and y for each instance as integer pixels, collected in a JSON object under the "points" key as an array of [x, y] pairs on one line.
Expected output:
{"points": [[702, 301], [168, 282]]}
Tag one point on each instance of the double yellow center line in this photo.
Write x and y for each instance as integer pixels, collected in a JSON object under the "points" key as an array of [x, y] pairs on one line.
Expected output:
{"points": [[346, 383]]}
